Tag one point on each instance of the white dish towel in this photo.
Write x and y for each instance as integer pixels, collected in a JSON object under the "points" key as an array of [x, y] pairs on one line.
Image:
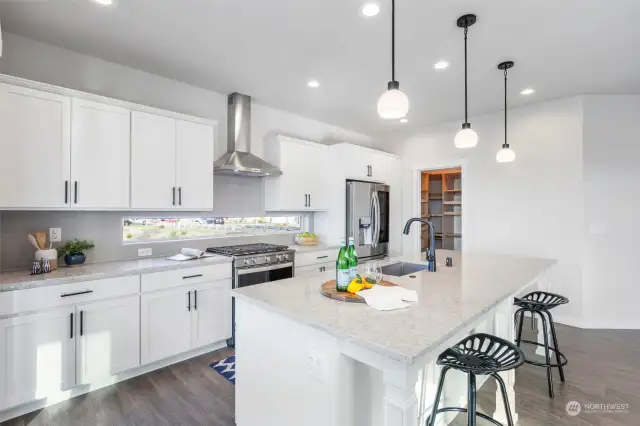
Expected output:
{"points": [[382, 298]]}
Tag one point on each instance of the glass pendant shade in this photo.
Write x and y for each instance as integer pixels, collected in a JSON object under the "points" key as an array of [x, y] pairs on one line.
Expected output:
{"points": [[393, 104], [466, 138], [505, 155]]}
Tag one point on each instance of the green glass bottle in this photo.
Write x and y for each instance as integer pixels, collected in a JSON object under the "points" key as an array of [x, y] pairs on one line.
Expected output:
{"points": [[342, 268], [353, 259]]}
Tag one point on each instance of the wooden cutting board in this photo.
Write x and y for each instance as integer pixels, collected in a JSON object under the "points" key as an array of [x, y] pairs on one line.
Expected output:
{"points": [[328, 289]]}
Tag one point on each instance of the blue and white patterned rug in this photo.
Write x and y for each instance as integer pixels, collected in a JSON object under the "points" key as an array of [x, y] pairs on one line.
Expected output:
{"points": [[227, 368]]}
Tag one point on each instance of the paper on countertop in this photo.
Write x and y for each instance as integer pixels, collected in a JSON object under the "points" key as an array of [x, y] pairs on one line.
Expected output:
{"points": [[384, 298], [189, 254]]}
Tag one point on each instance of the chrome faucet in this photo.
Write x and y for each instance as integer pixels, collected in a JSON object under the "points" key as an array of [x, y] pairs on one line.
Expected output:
{"points": [[431, 250]]}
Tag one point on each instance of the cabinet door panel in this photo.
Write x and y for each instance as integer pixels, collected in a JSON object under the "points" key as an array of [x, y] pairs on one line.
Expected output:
{"points": [[35, 144], [37, 356], [165, 324], [153, 165], [100, 145], [212, 313], [108, 338], [378, 167], [194, 165]]}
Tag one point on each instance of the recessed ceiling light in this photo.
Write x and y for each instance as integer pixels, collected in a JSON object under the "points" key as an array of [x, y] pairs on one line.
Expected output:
{"points": [[404, 120], [104, 2], [527, 91], [441, 65], [370, 9], [313, 83]]}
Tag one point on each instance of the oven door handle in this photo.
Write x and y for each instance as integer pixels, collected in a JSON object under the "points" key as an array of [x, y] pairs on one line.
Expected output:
{"points": [[245, 271]]}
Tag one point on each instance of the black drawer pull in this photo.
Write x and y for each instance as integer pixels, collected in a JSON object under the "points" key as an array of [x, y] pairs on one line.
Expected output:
{"points": [[195, 299], [322, 257], [81, 323], [191, 276], [66, 191], [71, 327], [189, 301], [76, 294]]}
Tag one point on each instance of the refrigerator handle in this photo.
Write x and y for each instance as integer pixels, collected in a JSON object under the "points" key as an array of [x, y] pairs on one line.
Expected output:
{"points": [[378, 218], [374, 224]]}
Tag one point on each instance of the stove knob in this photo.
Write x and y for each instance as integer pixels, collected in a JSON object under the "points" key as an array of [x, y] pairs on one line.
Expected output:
{"points": [[279, 257], [253, 260], [267, 259], [246, 261]]}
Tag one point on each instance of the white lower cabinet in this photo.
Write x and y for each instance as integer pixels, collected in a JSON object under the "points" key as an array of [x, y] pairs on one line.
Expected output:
{"points": [[184, 318], [37, 355], [310, 270], [165, 323], [107, 338], [211, 321]]}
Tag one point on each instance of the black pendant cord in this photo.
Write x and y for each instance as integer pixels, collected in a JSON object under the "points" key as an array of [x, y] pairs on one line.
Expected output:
{"points": [[466, 113], [506, 145], [393, 40]]}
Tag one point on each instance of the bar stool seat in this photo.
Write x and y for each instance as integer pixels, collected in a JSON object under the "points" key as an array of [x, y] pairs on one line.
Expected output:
{"points": [[540, 303], [478, 354]]}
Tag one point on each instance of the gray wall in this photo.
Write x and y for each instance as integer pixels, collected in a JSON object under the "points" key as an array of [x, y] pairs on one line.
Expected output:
{"points": [[104, 229]]}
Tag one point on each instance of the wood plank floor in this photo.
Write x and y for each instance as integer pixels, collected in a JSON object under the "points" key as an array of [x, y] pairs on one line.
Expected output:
{"points": [[604, 367]]}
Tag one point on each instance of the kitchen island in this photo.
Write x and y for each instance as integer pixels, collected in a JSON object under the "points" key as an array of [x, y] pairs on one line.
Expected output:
{"points": [[303, 359]]}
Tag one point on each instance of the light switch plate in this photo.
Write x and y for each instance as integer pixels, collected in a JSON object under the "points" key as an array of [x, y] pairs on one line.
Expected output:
{"points": [[145, 251], [55, 235]]}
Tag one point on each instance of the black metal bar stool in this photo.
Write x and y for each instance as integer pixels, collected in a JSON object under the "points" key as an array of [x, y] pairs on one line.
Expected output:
{"points": [[478, 354], [539, 303]]}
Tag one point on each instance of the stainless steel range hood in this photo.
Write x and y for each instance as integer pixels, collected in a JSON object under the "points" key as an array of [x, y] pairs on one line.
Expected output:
{"points": [[239, 160]]}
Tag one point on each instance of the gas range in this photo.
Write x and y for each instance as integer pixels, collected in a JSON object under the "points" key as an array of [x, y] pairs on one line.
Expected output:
{"points": [[260, 254], [255, 264]]}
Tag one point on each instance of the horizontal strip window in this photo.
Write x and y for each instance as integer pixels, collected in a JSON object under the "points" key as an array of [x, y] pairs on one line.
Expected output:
{"points": [[150, 229]]}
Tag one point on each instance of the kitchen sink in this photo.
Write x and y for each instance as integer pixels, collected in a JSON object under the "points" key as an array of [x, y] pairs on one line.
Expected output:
{"points": [[403, 268]]}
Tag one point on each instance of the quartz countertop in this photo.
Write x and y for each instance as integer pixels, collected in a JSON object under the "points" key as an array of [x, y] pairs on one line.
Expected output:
{"points": [[20, 280], [449, 300]]}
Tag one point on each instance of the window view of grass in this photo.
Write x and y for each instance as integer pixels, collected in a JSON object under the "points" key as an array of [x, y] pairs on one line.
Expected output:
{"points": [[135, 229]]}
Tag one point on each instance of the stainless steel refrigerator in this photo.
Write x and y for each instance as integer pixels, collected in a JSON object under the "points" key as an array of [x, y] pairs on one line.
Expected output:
{"points": [[368, 218]]}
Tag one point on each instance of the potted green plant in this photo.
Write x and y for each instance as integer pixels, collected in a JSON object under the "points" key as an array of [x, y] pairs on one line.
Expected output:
{"points": [[73, 251]]}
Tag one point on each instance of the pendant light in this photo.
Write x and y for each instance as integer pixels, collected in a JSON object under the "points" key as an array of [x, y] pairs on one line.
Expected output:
{"points": [[393, 103], [466, 138], [506, 154]]}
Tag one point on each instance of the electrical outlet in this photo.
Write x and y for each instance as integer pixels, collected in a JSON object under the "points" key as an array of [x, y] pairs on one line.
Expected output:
{"points": [[55, 235], [145, 251]]}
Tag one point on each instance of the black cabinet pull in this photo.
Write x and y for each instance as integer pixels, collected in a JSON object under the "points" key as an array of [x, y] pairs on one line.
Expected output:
{"points": [[66, 191], [322, 257], [309, 200], [71, 327], [75, 192], [179, 195], [189, 301], [191, 276], [174, 196], [195, 299], [81, 323], [306, 201], [76, 294]]}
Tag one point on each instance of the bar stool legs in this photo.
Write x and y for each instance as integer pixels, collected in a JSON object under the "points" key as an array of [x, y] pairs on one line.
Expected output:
{"points": [[561, 360]]}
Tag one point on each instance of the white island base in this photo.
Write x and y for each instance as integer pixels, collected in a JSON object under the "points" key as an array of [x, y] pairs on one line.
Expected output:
{"points": [[306, 360]]}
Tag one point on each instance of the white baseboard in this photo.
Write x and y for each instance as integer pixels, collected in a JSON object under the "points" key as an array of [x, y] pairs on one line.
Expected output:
{"points": [[81, 390]]}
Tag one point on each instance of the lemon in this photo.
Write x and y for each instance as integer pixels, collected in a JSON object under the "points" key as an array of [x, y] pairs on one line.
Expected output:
{"points": [[355, 286]]}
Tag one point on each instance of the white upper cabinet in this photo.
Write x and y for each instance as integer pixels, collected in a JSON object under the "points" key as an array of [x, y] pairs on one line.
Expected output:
{"points": [[171, 163], [100, 145], [194, 165], [362, 163], [35, 146], [301, 187], [153, 161]]}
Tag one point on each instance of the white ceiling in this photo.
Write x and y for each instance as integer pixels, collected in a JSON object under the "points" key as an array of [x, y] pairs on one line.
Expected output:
{"points": [[270, 49]]}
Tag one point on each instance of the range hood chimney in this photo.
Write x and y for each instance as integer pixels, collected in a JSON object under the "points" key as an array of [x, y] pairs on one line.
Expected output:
{"points": [[239, 160]]}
